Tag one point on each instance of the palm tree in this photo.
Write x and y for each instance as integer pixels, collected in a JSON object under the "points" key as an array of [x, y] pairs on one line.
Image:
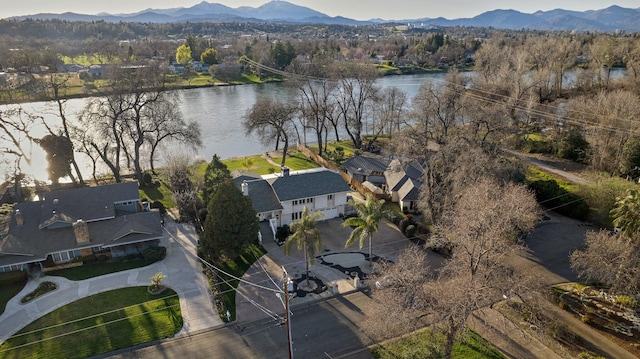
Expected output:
{"points": [[306, 236], [365, 224]]}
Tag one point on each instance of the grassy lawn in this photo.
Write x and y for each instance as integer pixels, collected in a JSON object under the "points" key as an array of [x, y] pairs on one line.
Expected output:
{"points": [[419, 345], [259, 166], [97, 269], [533, 174], [237, 268], [297, 162], [161, 193], [8, 291], [115, 319]]}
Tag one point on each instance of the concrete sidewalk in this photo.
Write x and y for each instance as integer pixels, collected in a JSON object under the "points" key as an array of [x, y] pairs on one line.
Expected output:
{"points": [[181, 268]]}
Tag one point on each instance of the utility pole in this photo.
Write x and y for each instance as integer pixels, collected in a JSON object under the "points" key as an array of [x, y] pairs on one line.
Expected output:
{"points": [[285, 283]]}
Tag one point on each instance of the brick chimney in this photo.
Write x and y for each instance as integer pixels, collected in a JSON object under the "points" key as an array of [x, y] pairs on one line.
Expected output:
{"points": [[81, 230]]}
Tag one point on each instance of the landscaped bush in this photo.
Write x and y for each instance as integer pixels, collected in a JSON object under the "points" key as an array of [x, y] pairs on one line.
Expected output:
{"points": [[13, 277], [91, 258], [154, 254], [626, 301], [559, 199], [405, 223], [282, 233], [410, 231], [43, 288]]}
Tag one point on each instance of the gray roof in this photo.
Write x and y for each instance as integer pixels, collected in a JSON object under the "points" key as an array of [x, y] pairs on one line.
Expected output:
{"points": [[410, 191], [365, 165], [308, 184], [45, 232], [263, 199], [87, 203], [398, 174]]}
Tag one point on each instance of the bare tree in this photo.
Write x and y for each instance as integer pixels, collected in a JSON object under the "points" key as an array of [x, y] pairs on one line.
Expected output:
{"points": [[272, 120], [315, 99], [15, 136], [484, 227], [356, 91], [609, 258], [610, 120], [136, 110]]}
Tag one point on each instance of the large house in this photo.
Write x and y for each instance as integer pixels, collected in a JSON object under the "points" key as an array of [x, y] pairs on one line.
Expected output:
{"points": [[71, 223], [280, 198]]}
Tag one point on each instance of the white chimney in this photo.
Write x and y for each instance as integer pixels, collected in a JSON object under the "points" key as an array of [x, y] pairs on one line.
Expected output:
{"points": [[245, 188], [19, 218]]}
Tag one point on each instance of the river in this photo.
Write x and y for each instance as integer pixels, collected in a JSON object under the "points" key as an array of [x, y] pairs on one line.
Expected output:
{"points": [[218, 110]]}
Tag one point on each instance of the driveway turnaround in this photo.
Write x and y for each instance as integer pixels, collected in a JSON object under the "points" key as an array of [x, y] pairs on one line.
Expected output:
{"points": [[181, 268]]}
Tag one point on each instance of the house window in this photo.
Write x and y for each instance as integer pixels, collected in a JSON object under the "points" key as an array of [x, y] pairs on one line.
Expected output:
{"points": [[330, 197], [295, 203], [309, 200]]}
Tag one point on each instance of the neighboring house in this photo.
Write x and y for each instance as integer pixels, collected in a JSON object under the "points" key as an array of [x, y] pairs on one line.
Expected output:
{"points": [[66, 224], [97, 71], [176, 68], [280, 198], [365, 168], [404, 181]]}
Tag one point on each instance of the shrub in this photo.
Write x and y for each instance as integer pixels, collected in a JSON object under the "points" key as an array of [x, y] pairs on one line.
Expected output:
{"points": [[154, 254], [160, 206], [559, 199], [282, 233], [585, 318], [572, 146], [411, 231], [91, 258], [626, 301], [147, 179]]}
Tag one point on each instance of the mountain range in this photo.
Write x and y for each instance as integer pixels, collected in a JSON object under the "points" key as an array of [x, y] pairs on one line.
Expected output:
{"points": [[279, 11]]}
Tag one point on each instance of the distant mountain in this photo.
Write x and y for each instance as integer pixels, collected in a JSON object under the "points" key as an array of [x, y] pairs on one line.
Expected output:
{"points": [[279, 11]]}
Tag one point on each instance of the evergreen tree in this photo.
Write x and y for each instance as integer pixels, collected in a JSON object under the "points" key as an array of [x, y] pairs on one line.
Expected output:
{"points": [[231, 224], [215, 174]]}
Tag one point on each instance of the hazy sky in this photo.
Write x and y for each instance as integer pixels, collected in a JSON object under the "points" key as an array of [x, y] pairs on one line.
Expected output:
{"points": [[355, 9]]}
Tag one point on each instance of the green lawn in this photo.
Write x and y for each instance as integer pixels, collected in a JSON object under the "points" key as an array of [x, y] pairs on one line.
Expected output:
{"points": [[8, 291], [115, 319], [297, 162], [259, 166], [160, 193], [237, 268], [419, 345], [97, 269]]}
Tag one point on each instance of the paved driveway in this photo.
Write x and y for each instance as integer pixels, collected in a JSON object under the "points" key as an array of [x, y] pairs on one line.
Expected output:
{"points": [[253, 302], [183, 274]]}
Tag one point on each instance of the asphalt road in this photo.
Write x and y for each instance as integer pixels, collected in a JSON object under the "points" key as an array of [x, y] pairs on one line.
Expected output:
{"points": [[326, 329]]}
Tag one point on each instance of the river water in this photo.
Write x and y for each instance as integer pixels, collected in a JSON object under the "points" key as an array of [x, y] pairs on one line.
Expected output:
{"points": [[218, 110]]}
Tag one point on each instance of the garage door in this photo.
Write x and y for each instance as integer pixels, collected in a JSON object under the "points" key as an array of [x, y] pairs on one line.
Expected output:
{"points": [[330, 213]]}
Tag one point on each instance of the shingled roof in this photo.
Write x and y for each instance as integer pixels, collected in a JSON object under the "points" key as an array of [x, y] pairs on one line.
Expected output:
{"points": [[365, 165], [308, 184], [263, 199], [44, 232]]}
